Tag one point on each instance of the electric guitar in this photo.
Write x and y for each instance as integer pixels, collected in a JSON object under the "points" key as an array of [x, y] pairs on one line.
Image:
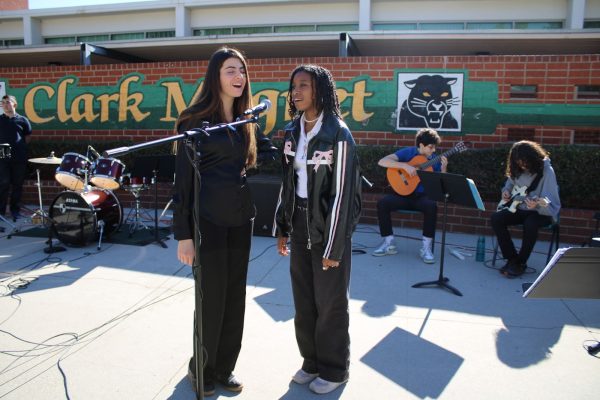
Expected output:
{"points": [[517, 196], [404, 184]]}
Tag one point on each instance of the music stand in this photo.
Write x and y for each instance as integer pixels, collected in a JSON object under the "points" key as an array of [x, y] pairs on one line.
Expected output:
{"points": [[161, 166], [452, 188]]}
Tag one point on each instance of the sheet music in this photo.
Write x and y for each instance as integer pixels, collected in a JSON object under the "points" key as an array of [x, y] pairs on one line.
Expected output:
{"points": [[476, 195], [559, 253]]}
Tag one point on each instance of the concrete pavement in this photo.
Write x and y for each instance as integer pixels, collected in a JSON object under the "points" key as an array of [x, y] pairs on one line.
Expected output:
{"points": [[117, 324]]}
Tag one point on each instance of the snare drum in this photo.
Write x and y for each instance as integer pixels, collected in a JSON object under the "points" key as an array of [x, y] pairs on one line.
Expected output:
{"points": [[132, 183], [4, 150], [77, 216], [71, 171], [107, 172]]}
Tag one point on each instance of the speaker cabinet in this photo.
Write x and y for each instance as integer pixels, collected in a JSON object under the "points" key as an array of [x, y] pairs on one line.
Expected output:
{"points": [[265, 192]]}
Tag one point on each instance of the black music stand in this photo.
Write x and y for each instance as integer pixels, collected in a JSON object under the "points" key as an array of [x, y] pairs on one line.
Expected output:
{"points": [[160, 167], [452, 188]]}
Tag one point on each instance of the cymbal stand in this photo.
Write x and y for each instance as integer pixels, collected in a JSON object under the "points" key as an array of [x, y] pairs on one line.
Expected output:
{"points": [[40, 211]]}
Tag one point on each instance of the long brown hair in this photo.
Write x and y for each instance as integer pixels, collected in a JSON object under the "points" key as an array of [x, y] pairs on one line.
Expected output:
{"points": [[207, 105], [529, 153]]}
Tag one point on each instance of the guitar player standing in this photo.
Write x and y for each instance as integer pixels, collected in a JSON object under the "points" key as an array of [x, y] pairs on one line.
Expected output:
{"points": [[529, 171], [404, 164]]}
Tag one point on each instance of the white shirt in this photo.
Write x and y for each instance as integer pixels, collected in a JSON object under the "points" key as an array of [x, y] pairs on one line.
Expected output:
{"points": [[301, 155]]}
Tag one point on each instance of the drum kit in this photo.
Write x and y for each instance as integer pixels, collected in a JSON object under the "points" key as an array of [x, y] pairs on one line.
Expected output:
{"points": [[88, 209]]}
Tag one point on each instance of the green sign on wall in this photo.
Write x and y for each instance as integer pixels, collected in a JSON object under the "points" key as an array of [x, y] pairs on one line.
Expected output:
{"points": [[368, 105]]}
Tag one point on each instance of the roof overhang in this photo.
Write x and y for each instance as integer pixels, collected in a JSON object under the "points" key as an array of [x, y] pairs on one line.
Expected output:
{"points": [[322, 44]]}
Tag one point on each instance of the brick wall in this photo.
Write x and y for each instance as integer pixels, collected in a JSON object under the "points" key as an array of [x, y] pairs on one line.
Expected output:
{"points": [[555, 77], [14, 5]]}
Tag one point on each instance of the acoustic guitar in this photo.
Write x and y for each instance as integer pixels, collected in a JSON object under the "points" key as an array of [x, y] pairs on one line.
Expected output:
{"points": [[404, 184]]}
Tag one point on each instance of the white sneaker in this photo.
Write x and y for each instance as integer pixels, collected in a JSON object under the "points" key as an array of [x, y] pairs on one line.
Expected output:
{"points": [[321, 386], [385, 249], [301, 377], [426, 255]]}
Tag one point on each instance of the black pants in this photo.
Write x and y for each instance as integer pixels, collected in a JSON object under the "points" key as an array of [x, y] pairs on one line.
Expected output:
{"points": [[321, 302], [224, 255], [531, 220], [12, 174], [414, 202]]}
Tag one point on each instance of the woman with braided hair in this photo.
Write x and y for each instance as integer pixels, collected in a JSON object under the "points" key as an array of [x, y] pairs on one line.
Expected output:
{"points": [[318, 209]]}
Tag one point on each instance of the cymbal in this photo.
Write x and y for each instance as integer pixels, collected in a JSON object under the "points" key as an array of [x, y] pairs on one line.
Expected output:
{"points": [[46, 160]]}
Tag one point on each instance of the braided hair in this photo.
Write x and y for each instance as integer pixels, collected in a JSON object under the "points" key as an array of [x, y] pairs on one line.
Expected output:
{"points": [[324, 87]]}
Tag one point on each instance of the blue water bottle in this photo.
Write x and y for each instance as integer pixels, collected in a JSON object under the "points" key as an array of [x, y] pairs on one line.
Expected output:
{"points": [[480, 253]]}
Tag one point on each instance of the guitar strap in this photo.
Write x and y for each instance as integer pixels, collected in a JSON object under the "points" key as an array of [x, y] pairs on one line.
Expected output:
{"points": [[535, 182]]}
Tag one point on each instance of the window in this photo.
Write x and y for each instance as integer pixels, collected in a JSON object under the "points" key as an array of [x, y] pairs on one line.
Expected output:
{"points": [[539, 25], [12, 42], [394, 27], [523, 91], [248, 30], [294, 28], [517, 134], [591, 24], [489, 25], [587, 92], [127, 36], [160, 34], [93, 38], [212, 32], [337, 28], [60, 40], [442, 26]]}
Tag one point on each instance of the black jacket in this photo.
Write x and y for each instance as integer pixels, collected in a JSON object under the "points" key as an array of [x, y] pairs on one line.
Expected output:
{"points": [[334, 186], [225, 197]]}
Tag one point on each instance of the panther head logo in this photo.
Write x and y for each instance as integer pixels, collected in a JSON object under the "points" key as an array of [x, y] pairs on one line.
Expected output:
{"points": [[428, 103]]}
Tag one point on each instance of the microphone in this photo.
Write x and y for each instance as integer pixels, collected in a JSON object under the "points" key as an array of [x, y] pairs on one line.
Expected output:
{"points": [[264, 105]]}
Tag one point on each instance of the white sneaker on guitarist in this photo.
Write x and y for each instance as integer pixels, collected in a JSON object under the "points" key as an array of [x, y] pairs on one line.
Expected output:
{"points": [[427, 255], [386, 248]]}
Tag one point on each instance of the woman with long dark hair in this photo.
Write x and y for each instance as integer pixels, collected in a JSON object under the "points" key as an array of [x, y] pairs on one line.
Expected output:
{"points": [[318, 209], [225, 214]]}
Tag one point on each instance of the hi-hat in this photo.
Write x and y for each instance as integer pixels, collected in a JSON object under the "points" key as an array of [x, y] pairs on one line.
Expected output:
{"points": [[46, 160]]}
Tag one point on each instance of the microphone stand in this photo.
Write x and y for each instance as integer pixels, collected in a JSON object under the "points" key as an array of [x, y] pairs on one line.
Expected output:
{"points": [[196, 136]]}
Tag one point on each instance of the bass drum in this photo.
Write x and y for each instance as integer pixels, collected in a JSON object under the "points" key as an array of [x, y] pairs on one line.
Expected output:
{"points": [[78, 216]]}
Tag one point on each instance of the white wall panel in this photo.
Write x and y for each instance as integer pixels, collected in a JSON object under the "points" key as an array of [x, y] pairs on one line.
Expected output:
{"points": [[11, 29], [322, 13], [482, 10], [109, 23]]}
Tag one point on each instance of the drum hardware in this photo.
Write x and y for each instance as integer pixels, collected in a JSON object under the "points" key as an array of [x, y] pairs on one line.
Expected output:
{"points": [[13, 227], [39, 216], [50, 242], [135, 185], [4, 150]]}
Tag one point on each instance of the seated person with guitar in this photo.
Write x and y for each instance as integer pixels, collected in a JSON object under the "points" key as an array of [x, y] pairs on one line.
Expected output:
{"points": [[410, 195], [529, 197]]}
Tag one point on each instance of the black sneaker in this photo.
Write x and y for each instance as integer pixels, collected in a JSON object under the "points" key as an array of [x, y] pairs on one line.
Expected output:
{"points": [[209, 385], [229, 382], [515, 270]]}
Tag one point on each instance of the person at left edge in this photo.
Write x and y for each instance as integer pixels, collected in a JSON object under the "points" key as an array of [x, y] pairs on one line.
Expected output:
{"points": [[15, 130], [226, 211]]}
